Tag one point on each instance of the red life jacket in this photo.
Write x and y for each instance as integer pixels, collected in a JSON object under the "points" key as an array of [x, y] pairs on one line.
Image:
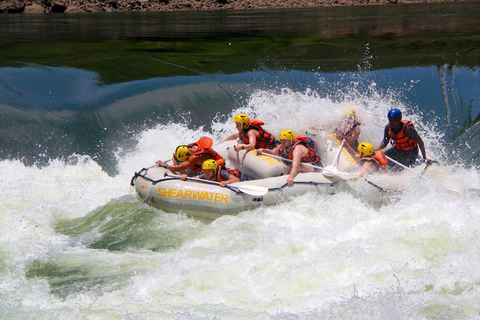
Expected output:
{"points": [[265, 140], [378, 157], [209, 152], [311, 156], [221, 165], [402, 141]]}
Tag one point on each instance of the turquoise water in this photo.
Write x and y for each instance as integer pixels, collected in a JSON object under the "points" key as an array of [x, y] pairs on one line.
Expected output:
{"points": [[76, 243]]}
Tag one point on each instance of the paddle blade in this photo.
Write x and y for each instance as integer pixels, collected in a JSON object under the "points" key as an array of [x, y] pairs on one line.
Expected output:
{"points": [[252, 190], [331, 174]]}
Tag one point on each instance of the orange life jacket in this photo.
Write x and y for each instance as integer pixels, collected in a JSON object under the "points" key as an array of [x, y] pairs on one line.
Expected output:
{"points": [[221, 165], [265, 140], [311, 156], [378, 157], [402, 141], [202, 143], [209, 152]]}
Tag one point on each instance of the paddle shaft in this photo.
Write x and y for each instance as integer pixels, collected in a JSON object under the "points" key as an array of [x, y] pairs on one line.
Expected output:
{"points": [[286, 159], [404, 167], [335, 161], [326, 170], [306, 163]]}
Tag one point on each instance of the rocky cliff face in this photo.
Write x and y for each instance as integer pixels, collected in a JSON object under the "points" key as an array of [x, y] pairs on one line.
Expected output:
{"points": [[84, 6]]}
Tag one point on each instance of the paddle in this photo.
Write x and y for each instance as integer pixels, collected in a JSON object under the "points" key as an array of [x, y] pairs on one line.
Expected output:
{"points": [[256, 191], [419, 174], [331, 172], [337, 157], [404, 167], [333, 176], [305, 164]]}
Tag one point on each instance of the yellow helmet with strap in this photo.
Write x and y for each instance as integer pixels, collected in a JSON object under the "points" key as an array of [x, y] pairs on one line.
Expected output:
{"points": [[366, 149], [210, 164], [287, 135], [243, 119], [349, 113], [182, 153]]}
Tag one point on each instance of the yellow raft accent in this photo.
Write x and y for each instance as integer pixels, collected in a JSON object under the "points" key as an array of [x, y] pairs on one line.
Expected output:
{"points": [[347, 154]]}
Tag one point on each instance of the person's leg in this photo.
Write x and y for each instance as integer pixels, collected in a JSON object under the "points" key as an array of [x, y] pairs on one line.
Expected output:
{"points": [[411, 156], [407, 158], [395, 155]]}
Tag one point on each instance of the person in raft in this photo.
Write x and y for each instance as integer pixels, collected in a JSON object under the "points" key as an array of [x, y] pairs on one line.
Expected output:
{"points": [[371, 160], [189, 158], [250, 134], [215, 171], [349, 128], [405, 138], [296, 149]]}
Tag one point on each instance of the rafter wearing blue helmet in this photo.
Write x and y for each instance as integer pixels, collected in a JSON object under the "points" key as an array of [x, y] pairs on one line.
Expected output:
{"points": [[405, 139], [394, 113]]}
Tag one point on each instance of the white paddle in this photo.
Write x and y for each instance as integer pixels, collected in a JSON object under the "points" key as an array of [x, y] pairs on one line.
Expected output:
{"points": [[325, 170], [404, 167], [256, 191], [419, 174], [331, 172]]}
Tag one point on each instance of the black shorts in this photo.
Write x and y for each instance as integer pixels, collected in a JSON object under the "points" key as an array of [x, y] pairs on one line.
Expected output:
{"points": [[405, 157]]}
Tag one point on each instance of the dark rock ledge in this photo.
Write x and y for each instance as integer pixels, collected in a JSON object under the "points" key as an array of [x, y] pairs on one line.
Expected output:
{"points": [[85, 6]]}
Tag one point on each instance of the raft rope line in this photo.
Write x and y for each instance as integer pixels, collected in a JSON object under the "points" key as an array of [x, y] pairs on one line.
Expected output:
{"points": [[154, 182], [139, 174]]}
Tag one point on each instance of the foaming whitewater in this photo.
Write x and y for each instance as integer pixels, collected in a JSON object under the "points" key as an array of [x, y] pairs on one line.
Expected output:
{"points": [[77, 243]]}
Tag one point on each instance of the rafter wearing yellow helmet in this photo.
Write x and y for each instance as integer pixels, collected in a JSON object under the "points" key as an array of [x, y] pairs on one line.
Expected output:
{"points": [[189, 158], [215, 171], [297, 149], [348, 128], [251, 134]]}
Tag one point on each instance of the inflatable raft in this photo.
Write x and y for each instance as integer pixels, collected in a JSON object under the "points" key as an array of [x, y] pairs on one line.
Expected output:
{"points": [[161, 188], [265, 166], [267, 186]]}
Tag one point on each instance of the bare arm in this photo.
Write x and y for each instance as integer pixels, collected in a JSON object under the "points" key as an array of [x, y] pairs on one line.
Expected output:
{"points": [[422, 149], [298, 153], [252, 141], [232, 137], [231, 179], [352, 137], [351, 151], [184, 165], [268, 151], [366, 168]]}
